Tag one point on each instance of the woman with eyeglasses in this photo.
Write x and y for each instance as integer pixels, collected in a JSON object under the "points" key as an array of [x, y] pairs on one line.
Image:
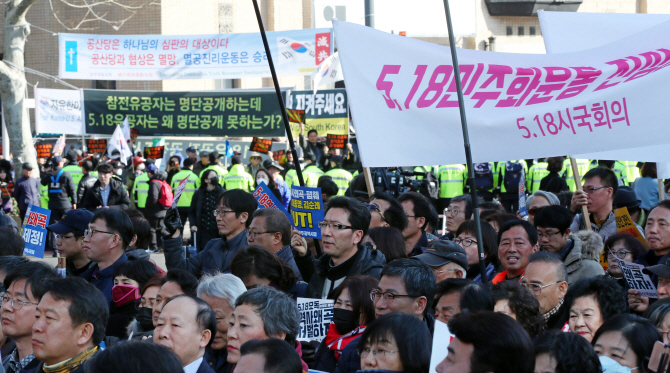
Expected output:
{"points": [[659, 314], [625, 247], [466, 237], [395, 342], [201, 215]]}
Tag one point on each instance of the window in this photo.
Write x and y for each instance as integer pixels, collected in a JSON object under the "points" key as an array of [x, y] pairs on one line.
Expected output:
{"points": [[532, 31], [510, 31], [521, 32]]}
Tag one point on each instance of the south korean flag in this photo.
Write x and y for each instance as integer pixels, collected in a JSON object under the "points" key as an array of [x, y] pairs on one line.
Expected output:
{"points": [[291, 50]]}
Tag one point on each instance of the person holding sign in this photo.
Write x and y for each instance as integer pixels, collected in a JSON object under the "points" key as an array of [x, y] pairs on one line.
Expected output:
{"points": [[626, 248], [313, 144], [639, 303]]}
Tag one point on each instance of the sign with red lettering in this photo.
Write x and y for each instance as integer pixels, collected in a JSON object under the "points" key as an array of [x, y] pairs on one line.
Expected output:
{"points": [[96, 145], [296, 116], [35, 230], [133, 134], [44, 150], [278, 155], [337, 141], [154, 152], [260, 145], [267, 200]]}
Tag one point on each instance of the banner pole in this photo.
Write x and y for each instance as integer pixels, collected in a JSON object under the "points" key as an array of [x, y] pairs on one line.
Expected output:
{"points": [[578, 185], [287, 125], [368, 181], [661, 190], [466, 143]]}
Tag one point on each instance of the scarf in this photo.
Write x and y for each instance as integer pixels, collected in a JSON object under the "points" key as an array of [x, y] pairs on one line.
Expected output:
{"points": [[70, 365], [553, 311], [337, 342]]}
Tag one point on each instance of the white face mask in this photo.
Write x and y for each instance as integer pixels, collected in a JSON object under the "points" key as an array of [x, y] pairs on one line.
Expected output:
{"points": [[609, 365], [262, 177]]}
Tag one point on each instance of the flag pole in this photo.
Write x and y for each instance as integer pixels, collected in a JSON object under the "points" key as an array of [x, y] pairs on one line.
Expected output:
{"points": [[282, 107], [466, 143]]}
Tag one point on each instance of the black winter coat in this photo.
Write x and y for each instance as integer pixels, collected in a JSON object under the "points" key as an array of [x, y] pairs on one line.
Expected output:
{"points": [[118, 196], [68, 194], [195, 211], [86, 183]]}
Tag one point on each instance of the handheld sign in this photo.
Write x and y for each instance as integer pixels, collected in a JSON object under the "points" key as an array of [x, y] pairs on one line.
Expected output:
{"points": [[624, 224], [260, 145], [278, 154], [154, 152], [133, 134], [523, 211], [35, 231], [179, 191], [315, 318], [44, 150], [96, 145], [635, 278], [267, 200], [307, 210], [296, 116], [442, 337], [337, 141]]}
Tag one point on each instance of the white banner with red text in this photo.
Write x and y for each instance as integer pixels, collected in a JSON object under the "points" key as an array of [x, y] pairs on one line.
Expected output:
{"points": [[403, 98]]}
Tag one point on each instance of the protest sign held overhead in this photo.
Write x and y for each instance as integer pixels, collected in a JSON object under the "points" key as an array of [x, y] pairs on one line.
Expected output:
{"points": [[96, 145], [35, 230], [307, 210], [44, 150], [267, 200], [278, 154], [635, 278], [296, 116], [260, 145], [154, 152], [540, 105], [134, 132], [315, 318], [210, 113], [337, 141], [58, 111], [325, 111], [178, 192], [216, 56]]}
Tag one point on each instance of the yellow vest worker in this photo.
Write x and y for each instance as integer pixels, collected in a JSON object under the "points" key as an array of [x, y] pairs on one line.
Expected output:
{"points": [[452, 179], [536, 173], [74, 171], [44, 196], [340, 176], [218, 169], [501, 170], [632, 171], [312, 173], [292, 177], [191, 186], [582, 166], [141, 190], [238, 178]]}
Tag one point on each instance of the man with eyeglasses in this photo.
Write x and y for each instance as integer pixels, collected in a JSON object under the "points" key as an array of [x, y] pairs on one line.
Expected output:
{"points": [[25, 287], [446, 259], [581, 261], [546, 277], [233, 216], [417, 210], [105, 242], [70, 240], [459, 210], [385, 211], [271, 229]]}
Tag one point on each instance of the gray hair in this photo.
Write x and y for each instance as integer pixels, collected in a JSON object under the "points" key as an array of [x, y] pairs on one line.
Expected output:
{"points": [[592, 244], [551, 197], [550, 258], [222, 286], [277, 310]]}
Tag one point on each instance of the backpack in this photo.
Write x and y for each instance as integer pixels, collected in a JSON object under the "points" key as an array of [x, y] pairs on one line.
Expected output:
{"points": [[430, 187], [513, 175], [483, 176], [165, 198]]}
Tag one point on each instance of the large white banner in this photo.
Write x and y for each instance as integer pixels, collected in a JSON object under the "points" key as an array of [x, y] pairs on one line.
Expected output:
{"points": [[58, 111], [217, 56], [405, 110]]}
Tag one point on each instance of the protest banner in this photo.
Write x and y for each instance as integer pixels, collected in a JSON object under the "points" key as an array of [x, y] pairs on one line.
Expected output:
{"points": [[96, 145], [523, 211], [296, 116], [58, 111], [212, 113], [325, 111], [59, 146], [624, 224], [260, 145], [307, 210], [178, 192], [337, 141], [216, 56], [442, 337], [315, 318], [154, 152], [134, 132], [44, 150], [635, 278], [277, 155], [35, 230], [540, 105], [267, 200]]}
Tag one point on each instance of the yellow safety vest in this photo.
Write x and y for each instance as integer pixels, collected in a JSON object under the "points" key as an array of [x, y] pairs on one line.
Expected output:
{"points": [[536, 173], [219, 171], [191, 186], [238, 178], [582, 167], [75, 172], [452, 180], [342, 178], [312, 173], [141, 188], [292, 177]]}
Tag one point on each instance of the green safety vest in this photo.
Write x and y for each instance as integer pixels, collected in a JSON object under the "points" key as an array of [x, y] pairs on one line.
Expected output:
{"points": [[219, 171], [342, 178], [568, 175], [501, 169], [619, 169], [94, 173], [312, 173], [74, 171], [536, 173], [632, 172], [141, 188], [292, 177], [452, 180], [238, 178], [191, 186], [420, 169], [44, 196]]}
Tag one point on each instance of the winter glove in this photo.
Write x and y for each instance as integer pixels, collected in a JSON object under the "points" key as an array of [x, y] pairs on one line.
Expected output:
{"points": [[172, 221]]}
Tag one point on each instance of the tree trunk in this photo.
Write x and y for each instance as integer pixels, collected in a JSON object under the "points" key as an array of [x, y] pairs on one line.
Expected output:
{"points": [[13, 86]]}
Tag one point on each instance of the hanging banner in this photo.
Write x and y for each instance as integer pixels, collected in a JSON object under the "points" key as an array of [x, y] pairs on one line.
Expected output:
{"points": [[35, 230], [217, 56], [325, 111], [315, 318], [154, 152], [96, 145], [518, 106], [211, 113], [58, 111], [307, 210], [260, 145]]}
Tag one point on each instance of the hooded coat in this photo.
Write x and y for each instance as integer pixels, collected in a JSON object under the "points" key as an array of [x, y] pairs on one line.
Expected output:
{"points": [[583, 260]]}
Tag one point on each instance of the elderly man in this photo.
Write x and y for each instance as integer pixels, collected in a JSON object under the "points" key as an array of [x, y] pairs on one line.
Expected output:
{"points": [[271, 229], [186, 326], [517, 240], [446, 258], [546, 277]]}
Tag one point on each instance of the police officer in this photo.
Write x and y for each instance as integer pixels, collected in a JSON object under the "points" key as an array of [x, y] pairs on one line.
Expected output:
{"points": [[237, 177], [340, 176], [568, 175], [62, 193], [536, 173], [311, 172], [184, 203], [452, 179], [509, 195], [72, 168], [141, 188]]}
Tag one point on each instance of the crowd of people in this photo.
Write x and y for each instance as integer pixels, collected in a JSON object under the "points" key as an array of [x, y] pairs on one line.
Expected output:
{"points": [[551, 295]]}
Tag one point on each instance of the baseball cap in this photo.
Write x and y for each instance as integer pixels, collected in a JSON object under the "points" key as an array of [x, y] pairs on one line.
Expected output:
{"points": [[56, 160], [72, 220], [190, 149], [152, 168], [267, 164], [204, 154], [27, 166], [662, 269], [441, 252]]}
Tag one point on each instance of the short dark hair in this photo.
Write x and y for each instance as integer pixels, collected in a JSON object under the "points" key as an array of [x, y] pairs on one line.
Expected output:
{"points": [[312, 130], [134, 357], [469, 208], [607, 178], [433, 219], [555, 164], [476, 297], [359, 215], [553, 216], [421, 205], [489, 236], [87, 165], [418, 278], [571, 352], [500, 218], [240, 202], [664, 203], [105, 168], [328, 186], [389, 241], [607, 292], [500, 344], [157, 280], [278, 311], [395, 214], [205, 316], [188, 162], [640, 333], [648, 170], [527, 226], [657, 312], [276, 221], [495, 207], [631, 243], [450, 286], [87, 303], [359, 287], [279, 356], [139, 270], [522, 303], [11, 243], [550, 258], [411, 336], [9, 263], [36, 274], [259, 261], [141, 228], [186, 281], [117, 222], [236, 159]]}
